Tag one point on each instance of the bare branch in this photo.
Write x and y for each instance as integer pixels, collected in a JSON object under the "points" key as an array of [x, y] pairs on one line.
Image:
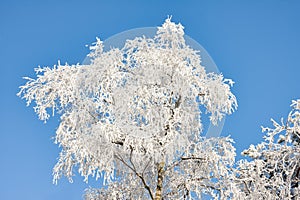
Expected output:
{"points": [[137, 174]]}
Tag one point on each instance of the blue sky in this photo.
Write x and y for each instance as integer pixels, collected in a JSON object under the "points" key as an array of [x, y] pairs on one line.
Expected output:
{"points": [[256, 43]]}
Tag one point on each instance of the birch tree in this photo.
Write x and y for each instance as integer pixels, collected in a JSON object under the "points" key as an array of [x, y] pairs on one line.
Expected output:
{"points": [[132, 118]]}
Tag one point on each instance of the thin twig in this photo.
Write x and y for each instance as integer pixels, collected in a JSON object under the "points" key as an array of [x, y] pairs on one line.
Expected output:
{"points": [[138, 175]]}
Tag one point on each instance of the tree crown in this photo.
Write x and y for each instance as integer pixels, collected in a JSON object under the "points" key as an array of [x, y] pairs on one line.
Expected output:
{"points": [[134, 112]]}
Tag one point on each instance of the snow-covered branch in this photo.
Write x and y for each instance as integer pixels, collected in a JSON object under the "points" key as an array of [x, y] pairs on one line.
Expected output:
{"points": [[274, 172]]}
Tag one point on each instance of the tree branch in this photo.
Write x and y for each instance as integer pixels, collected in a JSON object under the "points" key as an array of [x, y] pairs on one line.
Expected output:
{"points": [[192, 158], [183, 159], [137, 174], [118, 142]]}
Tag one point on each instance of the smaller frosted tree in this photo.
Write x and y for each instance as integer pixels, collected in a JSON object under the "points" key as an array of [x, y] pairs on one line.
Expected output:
{"points": [[132, 117], [274, 171]]}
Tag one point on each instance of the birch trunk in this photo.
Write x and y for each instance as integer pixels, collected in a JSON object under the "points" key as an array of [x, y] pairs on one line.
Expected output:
{"points": [[159, 187]]}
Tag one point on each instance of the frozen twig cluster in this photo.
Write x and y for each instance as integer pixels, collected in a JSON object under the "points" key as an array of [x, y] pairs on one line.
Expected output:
{"points": [[274, 171]]}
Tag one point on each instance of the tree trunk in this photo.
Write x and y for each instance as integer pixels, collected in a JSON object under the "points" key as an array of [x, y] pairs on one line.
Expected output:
{"points": [[159, 186]]}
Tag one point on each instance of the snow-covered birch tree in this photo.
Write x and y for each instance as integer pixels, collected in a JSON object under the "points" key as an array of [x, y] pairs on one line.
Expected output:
{"points": [[132, 118], [274, 171]]}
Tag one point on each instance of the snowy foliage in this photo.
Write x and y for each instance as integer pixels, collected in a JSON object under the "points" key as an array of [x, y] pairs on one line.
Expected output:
{"points": [[274, 171], [132, 118]]}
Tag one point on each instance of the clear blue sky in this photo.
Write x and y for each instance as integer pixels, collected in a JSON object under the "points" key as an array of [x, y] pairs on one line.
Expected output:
{"points": [[256, 43]]}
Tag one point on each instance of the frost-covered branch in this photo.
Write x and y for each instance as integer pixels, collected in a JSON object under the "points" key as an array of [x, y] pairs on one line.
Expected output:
{"points": [[133, 169], [273, 172]]}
